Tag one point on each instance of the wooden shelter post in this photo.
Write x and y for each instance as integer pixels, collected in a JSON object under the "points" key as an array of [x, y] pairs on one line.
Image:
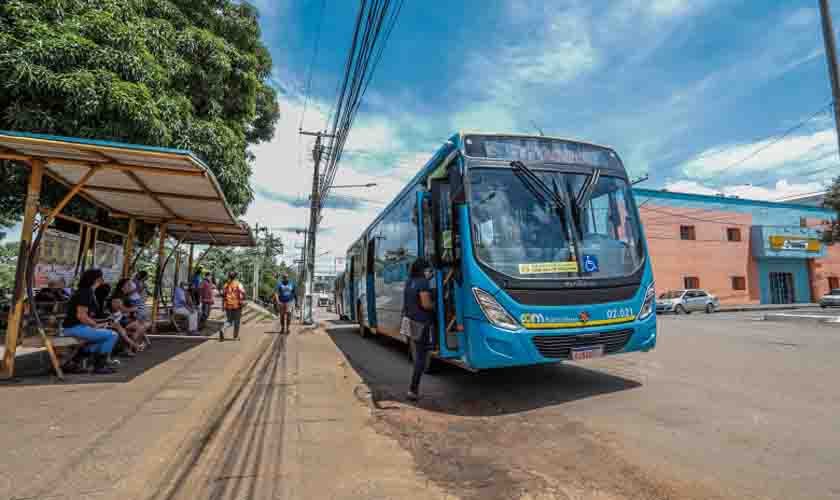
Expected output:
{"points": [[177, 272], [129, 248], [159, 276], [190, 270], [33, 199]]}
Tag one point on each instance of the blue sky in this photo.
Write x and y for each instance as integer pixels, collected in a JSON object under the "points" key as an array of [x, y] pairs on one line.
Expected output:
{"points": [[684, 90]]}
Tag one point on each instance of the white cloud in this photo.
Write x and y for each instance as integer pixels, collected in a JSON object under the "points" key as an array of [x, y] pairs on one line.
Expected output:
{"points": [[813, 155], [283, 169], [781, 189]]}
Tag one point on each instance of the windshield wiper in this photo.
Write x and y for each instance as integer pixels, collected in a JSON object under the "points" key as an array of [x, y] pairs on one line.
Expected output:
{"points": [[586, 191], [534, 179]]}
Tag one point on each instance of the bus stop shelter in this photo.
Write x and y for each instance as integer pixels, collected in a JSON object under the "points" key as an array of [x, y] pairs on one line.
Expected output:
{"points": [[170, 188]]}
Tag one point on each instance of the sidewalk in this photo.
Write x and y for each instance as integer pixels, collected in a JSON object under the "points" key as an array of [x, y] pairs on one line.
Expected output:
{"points": [[85, 437], [330, 449], [763, 307]]}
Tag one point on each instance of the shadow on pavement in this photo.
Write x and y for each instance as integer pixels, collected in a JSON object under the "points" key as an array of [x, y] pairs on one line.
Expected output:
{"points": [[383, 364], [34, 369]]}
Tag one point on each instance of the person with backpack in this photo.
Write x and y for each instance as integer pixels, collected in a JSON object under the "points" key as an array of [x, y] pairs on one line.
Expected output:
{"points": [[233, 298], [285, 296], [418, 320]]}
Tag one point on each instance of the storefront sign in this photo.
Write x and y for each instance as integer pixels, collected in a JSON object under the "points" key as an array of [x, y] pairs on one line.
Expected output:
{"points": [[795, 243], [57, 257]]}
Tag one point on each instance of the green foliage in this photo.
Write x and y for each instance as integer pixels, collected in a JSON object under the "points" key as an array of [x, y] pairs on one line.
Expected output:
{"points": [[220, 261], [8, 263], [188, 74]]}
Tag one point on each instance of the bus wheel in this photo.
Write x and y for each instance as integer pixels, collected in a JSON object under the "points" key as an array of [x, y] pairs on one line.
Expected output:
{"points": [[363, 332]]}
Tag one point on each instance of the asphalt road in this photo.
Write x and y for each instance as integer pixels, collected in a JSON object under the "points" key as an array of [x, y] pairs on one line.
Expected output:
{"points": [[725, 407]]}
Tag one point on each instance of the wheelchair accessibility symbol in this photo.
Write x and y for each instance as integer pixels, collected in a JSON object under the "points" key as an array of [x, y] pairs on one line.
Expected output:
{"points": [[590, 264]]}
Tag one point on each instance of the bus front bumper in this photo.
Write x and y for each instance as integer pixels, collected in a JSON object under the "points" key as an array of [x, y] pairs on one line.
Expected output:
{"points": [[492, 347]]}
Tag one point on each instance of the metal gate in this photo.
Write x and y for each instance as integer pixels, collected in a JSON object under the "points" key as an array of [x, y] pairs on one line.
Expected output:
{"points": [[781, 288]]}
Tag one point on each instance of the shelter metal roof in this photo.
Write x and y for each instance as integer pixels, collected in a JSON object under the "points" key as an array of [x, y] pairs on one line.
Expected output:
{"points": [[149, 183]]}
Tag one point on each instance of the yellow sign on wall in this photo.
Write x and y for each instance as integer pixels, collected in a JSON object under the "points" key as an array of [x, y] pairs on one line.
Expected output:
{"points": [[549, 267], [795, 243]]}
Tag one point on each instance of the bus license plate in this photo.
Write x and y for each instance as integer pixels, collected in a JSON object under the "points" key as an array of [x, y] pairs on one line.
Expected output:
{"points": [[584, 353]]}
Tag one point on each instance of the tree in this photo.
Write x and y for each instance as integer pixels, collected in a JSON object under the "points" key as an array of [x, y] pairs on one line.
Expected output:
{"points": [[188, 74]]}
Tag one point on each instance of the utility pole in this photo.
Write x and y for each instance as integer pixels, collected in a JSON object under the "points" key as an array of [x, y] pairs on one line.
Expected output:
{"points": [[314, 219], [257, 263], [831, 59]]}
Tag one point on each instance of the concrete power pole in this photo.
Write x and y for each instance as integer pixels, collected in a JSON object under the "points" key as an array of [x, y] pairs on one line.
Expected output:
{"points": [[831, 59], [314, 219], [257, 264]]}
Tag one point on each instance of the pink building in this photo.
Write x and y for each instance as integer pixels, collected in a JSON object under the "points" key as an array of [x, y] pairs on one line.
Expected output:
{"points": [[743, 251]]}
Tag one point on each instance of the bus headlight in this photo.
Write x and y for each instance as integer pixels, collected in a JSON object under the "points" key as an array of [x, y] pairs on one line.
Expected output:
{"points": [[649, 305], [493, 311]]}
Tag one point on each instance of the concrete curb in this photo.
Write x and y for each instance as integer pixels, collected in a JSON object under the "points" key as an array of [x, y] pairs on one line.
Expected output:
{"points": [[192, 430], [813, 318], [750, 308]]}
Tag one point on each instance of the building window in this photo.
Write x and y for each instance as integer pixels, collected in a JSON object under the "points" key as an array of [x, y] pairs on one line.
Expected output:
{"points": [[733, 234], [691, 282], [833, 282], [739, 283], [687, 233]]}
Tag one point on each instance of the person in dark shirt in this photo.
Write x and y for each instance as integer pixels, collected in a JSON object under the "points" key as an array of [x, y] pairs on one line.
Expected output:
{"points": [[81, 322], [418, 308]]}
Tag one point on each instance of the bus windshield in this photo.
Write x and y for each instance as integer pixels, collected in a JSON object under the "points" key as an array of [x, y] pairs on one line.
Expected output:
{"points": [[519, 232]]}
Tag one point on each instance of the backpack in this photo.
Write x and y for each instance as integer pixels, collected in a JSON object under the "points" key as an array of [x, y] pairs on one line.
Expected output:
{"points": [[234, 295]]}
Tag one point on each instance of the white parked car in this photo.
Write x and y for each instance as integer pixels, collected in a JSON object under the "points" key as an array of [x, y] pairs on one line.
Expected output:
{"points": [[832, 299], [686, 301]]}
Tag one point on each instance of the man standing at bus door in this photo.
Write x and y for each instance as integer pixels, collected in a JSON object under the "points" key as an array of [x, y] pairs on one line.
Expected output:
{"points": [[285, 296], [418, 309]]}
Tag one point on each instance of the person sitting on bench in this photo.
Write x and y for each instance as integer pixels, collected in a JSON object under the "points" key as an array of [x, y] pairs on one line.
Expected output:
{"points": [[131, 331], [54, 292], [81, 322], [183, 306]]}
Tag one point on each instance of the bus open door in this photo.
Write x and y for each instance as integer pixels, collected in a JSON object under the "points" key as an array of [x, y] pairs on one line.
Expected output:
{"points": [[440, 248]]}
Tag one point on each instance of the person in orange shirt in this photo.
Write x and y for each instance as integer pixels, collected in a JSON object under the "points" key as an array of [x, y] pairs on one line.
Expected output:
{"points": [[233, 299]]}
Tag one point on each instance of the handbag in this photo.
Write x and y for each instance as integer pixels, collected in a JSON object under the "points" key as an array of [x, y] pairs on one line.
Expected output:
{"points": [[405, 327]]}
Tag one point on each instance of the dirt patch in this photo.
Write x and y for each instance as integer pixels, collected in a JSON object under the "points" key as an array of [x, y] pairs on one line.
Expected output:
{"points": [[522, 456]]}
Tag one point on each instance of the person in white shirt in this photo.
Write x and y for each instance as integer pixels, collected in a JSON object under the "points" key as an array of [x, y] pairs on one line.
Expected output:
{"points": [[184, 307]]}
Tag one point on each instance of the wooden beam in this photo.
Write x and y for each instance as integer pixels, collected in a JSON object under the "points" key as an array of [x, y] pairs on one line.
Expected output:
{"points": [[129, 248], [69, 196], [158, 276], [33, 198], [149, 192], [14, 157], [128, 167], [156, 193], [85, 223], [57, 178], [190, 262]]}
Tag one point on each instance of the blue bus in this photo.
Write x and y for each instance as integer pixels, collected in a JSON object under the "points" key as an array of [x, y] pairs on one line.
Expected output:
{"points": [[538, 251]]}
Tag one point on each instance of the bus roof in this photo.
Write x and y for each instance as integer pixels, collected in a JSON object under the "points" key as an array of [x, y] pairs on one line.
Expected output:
{"points": [[462, 133]]}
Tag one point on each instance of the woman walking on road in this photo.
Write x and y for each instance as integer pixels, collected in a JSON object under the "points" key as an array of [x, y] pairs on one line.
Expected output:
{"points": [[233, 298], [418, 319]]}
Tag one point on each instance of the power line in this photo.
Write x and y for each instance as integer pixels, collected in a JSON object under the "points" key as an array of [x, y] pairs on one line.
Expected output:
{"points": [[778, 139], [308, 88]]}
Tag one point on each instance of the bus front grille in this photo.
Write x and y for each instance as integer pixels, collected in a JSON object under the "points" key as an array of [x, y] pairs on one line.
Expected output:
{"points": [[560, 346]]}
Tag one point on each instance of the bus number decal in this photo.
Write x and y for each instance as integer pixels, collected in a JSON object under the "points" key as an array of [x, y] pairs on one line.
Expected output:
{"points": [[620, 312]]}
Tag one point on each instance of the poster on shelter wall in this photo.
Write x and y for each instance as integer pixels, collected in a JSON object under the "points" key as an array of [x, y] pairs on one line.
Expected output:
{"points": [[57, 257], [109, 258]]}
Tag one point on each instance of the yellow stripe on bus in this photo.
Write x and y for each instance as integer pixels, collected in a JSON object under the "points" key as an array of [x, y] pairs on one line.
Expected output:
{"points": [[579, 324]]}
